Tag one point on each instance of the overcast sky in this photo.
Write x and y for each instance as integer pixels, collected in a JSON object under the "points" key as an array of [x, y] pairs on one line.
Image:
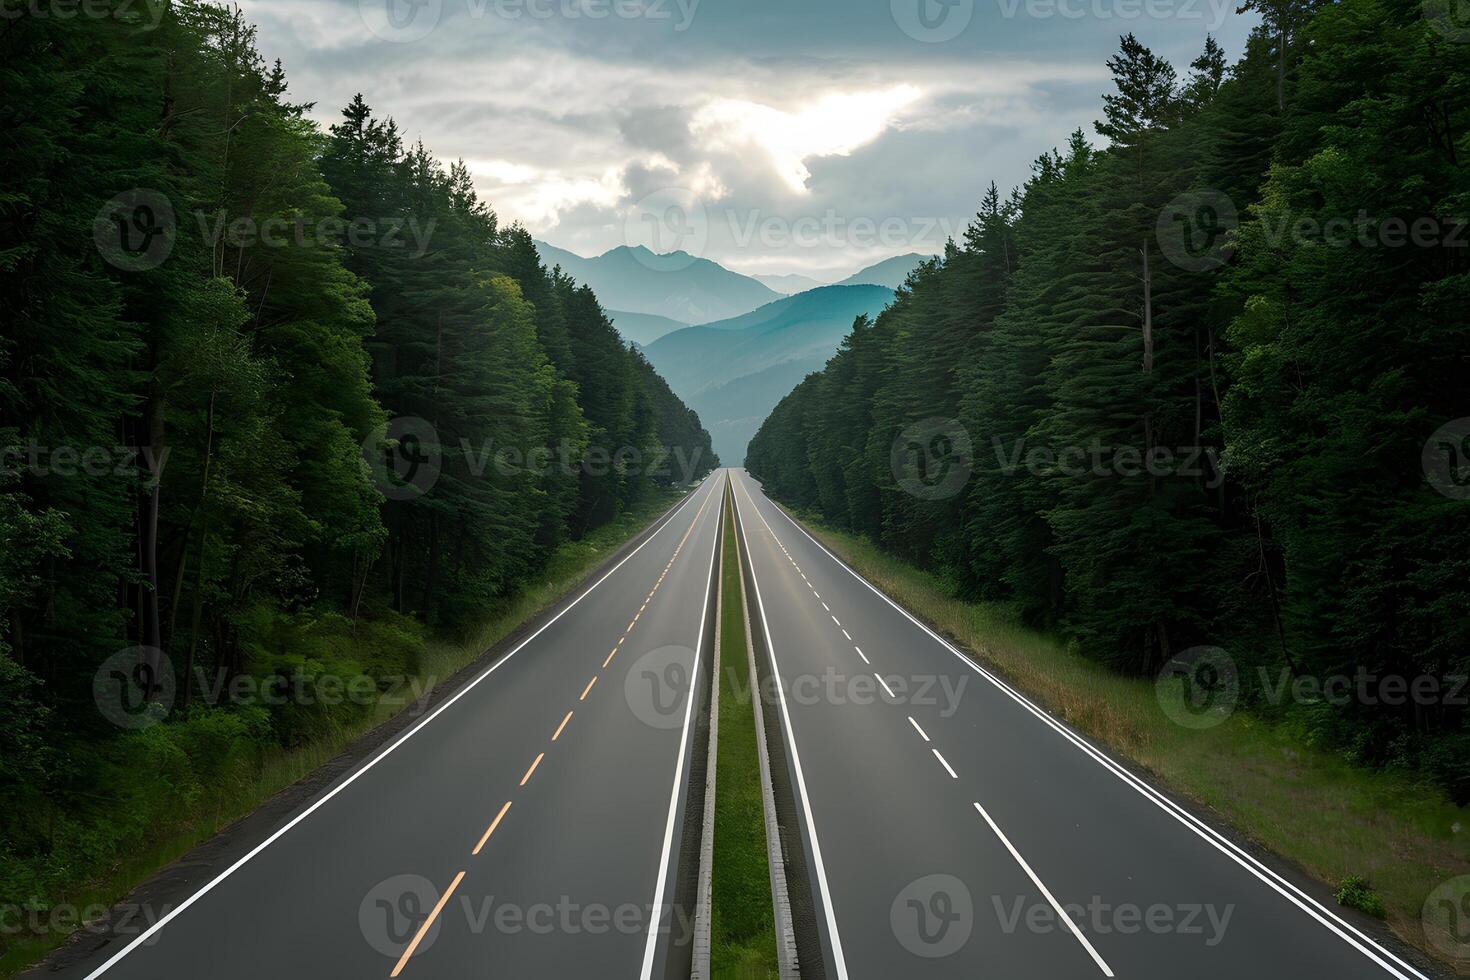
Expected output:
{"points": [[805, 136]]}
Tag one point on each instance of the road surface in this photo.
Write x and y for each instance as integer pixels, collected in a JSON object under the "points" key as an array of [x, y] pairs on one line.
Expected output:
{"points": [[530, 825], [955, 830], [531, 822]]}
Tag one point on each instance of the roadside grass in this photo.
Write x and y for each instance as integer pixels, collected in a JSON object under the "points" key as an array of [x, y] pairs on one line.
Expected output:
{"points": [[1336, 820], [742, 931], [257, 775]]}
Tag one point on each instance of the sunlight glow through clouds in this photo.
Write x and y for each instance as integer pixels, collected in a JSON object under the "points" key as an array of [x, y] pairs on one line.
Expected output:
{"points": [[834, 125], [538, 196]]}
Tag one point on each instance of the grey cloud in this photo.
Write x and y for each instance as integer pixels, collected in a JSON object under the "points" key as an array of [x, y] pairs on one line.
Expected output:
{"points": [[582, 103]]}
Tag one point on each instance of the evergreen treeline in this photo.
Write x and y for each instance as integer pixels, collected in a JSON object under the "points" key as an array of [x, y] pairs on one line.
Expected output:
{"points": [[1184, 390], [274, 403]]}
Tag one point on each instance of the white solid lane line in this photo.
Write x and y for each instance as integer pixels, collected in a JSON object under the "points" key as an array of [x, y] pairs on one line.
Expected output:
{"points": [[806, 803], [651, 946], [1340, 927], [152, 930], [1061, 912]]}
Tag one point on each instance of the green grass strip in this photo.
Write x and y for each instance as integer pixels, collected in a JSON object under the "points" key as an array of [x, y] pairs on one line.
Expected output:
{"points": [[743, 935]]}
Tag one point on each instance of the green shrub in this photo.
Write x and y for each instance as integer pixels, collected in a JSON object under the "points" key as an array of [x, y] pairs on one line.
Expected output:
{"points": [[1356, 893]]}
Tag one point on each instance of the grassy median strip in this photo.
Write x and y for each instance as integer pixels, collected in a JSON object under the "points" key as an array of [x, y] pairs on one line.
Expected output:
{"points": [[743, 936], [1307, 803]]}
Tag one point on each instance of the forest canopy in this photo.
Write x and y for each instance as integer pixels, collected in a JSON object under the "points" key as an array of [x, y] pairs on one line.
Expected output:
{"points": [[276, 403], [1200, 390]]}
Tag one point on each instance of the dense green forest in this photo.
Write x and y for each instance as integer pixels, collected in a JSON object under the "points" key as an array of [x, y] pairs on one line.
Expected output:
{"points": [[276, 404], [1199, 386]]}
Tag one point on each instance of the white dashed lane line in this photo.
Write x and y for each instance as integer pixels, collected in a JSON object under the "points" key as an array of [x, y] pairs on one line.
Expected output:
{"points": [[887, 690]]}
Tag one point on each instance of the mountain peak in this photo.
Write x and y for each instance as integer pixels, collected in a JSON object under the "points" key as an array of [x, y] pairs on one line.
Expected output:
{"points": [[890, 272], [675, 285]]}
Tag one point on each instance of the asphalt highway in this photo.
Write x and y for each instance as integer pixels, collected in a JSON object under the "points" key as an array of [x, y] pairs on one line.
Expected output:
{"points": [[956, 830], [525, 828], [530, 825]]}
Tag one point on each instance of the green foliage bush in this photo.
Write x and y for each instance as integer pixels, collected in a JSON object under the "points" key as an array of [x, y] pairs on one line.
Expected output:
{"points": [[1356, 893]]}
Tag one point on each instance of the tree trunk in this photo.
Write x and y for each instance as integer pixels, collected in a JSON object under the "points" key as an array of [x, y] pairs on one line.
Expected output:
{"points": [[17, 637], [150, 623], [1275, 600], [1281, 71], [198, 610], [426, 600], [1148, 312]]}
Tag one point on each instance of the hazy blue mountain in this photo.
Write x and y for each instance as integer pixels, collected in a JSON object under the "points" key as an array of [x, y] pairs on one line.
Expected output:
{"points": [[643, 328], [733, 372], [674, 285], [789, 284], [890, 272]]}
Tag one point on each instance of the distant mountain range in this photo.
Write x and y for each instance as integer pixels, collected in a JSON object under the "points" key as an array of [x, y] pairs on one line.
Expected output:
{"points": [[643, 328], [760, 335], [675, 285], [890, 272], [733, 372], [790, 285]]}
